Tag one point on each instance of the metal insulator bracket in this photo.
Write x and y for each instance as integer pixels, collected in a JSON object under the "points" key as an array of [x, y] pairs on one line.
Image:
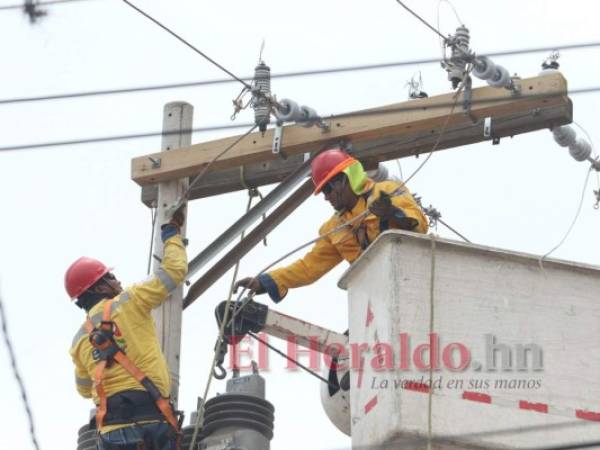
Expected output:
{"points": [[515, 86], [324, 126], [277, 140], [487, 128]]}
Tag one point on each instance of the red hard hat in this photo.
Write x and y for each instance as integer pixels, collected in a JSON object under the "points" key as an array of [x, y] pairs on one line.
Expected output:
{"points": [[327, 165], [82, 275]]}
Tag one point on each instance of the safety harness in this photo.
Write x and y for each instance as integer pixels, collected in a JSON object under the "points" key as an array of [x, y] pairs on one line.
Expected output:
{"points": [[106, 353]]}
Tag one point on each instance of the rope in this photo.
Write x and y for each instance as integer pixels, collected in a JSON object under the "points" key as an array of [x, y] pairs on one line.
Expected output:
{"points": [[207, 166], [15, 369], [431, 329], [201, 409]]}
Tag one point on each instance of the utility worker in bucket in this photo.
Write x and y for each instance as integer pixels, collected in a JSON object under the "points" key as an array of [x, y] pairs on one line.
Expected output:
{"points": [[118, 361], [345, 184]]}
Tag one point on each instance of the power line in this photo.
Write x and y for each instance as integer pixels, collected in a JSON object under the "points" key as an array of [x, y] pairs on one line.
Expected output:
{"points": [[460, 235], [182, 40], [47, 3], [300, 73], [248, 124], [15, 369], [431, 27], [577, 214]]}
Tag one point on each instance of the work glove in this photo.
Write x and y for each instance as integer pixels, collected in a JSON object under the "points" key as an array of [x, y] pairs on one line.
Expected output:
{"points": [[382, 207], [174, 225], [386, 211], [250, 283], [178, 217]]}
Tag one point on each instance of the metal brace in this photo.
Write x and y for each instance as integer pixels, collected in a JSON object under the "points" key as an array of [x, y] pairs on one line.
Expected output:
{"points": [[277, 141], [487, 128], [468, 98], [487, 131]]}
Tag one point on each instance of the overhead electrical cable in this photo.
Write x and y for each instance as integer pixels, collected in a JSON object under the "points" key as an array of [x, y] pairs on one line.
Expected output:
{"points": [[574, 221], [460, 235], [427, 24], [200, 52], [17, 375], [46, 3], [299, 73], [409, 107]]}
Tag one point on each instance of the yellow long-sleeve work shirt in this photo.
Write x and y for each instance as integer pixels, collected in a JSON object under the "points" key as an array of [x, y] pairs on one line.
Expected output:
{"points": [[135, 330], [343, 244]]}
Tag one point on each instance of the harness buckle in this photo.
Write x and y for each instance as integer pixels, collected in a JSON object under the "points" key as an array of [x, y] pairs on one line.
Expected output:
{"points": [[102, 340]]}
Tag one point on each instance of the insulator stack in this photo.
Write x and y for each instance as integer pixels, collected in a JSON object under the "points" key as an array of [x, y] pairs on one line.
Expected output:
{"points": [[579, 149], [86, 439], [460, 52], [289, 111], [495, 75], [262, 94], [241, 417]]}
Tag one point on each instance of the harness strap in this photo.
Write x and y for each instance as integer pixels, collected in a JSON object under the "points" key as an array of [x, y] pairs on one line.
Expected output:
{"points": [[162, 403], [101, 412]]}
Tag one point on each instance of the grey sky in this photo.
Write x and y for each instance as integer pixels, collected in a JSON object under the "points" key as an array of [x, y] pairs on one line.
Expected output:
{"points": [[64, 202]]}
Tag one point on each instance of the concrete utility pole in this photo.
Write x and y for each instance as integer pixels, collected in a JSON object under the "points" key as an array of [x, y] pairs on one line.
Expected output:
{"points": [[177, 125]]}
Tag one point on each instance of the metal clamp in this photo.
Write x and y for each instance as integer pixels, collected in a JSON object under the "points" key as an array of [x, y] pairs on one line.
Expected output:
{"points": [[515, 86], [487, 128], [156, 162], [277, 140], [324, 126]]}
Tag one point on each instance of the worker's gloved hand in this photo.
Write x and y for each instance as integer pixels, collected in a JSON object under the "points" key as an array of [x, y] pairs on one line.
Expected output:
{"points": [[250, 283], [174, 225], [178, 217], [383, 207]]}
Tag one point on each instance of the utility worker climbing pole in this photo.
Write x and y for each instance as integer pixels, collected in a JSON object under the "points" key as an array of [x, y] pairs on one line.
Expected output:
{"points": [[345, 184], [117, 356]]}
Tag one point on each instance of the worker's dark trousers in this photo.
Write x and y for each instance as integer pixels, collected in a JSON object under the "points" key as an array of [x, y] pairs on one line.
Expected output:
{"points": [[153, 436]]}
